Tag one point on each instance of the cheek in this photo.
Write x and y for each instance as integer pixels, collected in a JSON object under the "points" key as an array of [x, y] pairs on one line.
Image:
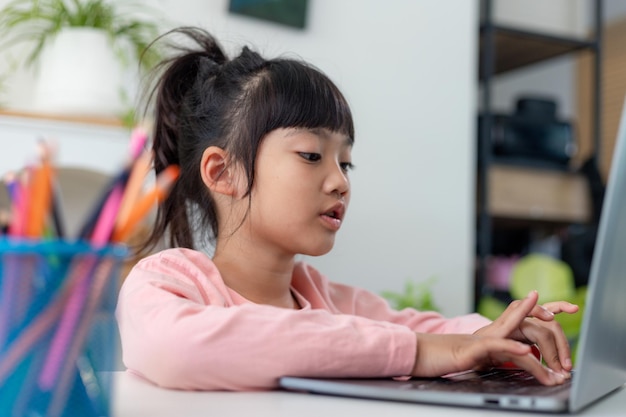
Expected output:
{"points": [[274, 197], [283, 205]]}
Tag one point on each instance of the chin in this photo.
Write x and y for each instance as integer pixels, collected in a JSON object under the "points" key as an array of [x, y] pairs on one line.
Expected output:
{"points": [[319, 251]]}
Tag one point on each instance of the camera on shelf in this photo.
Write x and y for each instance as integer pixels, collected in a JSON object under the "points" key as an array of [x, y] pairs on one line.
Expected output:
{"points": [[532, 135]]}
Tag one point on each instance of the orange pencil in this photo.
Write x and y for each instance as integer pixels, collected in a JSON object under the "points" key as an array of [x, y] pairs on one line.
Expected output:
{"points": [[39, 199], [138, 173], [165, 180]]}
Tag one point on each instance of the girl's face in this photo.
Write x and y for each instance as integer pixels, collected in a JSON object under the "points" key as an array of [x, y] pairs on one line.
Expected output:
{"points": [[301, 190]]}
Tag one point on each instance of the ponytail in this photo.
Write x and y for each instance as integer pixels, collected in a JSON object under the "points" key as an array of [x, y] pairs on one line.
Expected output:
{"points": [[182, 73], [179, 75]]}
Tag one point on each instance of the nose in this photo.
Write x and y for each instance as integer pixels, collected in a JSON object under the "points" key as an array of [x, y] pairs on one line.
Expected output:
{"points": [[337, 181]]}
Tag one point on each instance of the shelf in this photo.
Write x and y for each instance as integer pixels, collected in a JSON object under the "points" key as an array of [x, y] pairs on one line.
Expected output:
{"points": [[538, 195], [515, 194], [95, 143], [91, 120], [526, 162], [516, 48]]}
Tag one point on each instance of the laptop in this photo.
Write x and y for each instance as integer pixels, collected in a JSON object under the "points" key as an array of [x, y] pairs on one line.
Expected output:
{"points": [[601, 359]]}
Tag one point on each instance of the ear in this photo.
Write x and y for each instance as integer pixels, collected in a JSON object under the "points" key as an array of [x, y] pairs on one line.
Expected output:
{"points": [[216, 173]]}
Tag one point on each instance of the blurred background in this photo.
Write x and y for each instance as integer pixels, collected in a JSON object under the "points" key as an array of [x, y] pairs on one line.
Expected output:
{"points": [[410, 71]]}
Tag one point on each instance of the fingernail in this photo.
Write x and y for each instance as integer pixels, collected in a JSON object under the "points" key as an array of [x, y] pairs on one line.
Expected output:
{"points": [[568, 363], [556, 376], [531, 293]]}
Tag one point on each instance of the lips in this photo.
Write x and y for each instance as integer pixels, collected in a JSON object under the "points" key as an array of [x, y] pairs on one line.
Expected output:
{"points": [[337, 211]]}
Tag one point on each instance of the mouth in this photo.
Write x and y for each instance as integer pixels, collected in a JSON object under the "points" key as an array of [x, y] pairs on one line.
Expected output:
{"points": [[333, 214], [336, 212]]}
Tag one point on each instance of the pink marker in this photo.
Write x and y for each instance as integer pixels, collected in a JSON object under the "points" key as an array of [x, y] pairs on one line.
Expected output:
{"points": [[106, 222], [138, 140]]}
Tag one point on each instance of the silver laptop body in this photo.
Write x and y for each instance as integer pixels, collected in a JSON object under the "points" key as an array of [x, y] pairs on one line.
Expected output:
{"points": [[601, 359]]}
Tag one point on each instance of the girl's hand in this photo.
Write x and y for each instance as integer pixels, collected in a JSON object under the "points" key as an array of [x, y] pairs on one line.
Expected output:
{"points": [[526, 321], [507, 339], [441, 354]]}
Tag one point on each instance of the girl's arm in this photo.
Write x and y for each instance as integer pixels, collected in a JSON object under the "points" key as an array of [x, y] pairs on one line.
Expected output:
{"points": [[179, 330], [360, 302]]}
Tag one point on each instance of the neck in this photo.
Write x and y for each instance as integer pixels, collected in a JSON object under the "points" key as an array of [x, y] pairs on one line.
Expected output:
{"points": [[256, 275]]}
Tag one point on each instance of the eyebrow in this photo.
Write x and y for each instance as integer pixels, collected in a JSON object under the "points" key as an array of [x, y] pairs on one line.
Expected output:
{"points": [[322, 133]]}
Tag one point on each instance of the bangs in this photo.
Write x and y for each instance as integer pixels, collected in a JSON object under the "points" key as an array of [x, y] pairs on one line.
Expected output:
{"points": [[292, 94]]}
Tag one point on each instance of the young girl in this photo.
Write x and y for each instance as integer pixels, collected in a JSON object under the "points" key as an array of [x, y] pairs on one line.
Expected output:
{"points": [[264, 150]]}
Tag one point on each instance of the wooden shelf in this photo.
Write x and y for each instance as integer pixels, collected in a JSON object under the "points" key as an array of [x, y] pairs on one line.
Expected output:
{"points": [[538, 194], [92, 120], [516, 48]]}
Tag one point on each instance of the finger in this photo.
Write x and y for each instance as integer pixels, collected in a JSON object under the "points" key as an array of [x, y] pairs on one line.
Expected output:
{"points": [[542, 313], [544, 375], [544, 338], [552, 343], [504, 350], [557, 307], [563, 348], [513, 316]]}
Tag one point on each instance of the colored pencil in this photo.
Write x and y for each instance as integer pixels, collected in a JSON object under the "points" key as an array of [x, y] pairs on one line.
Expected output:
{"points": [[81, 273], [106, 221], [31, 334], [89, 223], [19, 205], [62, 387], [165, 180], [40, 195], [138, 174]]}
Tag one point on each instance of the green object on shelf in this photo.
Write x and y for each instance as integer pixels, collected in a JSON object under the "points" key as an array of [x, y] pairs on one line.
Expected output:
{"points": [[552, 278]]}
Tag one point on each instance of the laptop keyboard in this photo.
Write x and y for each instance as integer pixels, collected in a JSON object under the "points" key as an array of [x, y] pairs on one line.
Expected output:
{"points": [[511, 382]]}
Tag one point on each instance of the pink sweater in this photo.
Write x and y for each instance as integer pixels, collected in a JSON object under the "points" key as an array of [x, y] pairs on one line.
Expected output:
{"points": [[181, 327]]}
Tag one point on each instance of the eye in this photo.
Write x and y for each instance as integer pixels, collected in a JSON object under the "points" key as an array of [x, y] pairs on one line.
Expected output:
{"points": [[346, 166], [311, 157]]}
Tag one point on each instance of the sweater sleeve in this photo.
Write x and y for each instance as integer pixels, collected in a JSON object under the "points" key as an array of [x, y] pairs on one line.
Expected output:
{"points": [[361, 302], [179, 330]]}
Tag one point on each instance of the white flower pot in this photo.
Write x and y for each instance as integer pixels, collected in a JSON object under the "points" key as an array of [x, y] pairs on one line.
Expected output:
{"points": [[79, 74]]}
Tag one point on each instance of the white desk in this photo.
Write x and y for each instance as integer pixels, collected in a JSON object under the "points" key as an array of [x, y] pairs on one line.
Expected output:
{"points": [[136, 398]]}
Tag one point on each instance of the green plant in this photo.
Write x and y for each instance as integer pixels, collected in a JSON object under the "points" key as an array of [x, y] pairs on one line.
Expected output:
{"points": [[37, 22], [416, 295], [3, 88]]}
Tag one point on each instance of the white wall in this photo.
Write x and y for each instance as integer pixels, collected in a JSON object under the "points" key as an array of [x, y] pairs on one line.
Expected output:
{"points": [[408, 68], [559, 17]]}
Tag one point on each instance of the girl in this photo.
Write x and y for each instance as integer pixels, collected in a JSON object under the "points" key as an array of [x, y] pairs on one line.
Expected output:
{"points": [[264, 149]]}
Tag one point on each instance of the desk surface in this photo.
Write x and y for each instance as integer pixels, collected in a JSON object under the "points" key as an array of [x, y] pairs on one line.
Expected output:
{"points": [[134, 397]]}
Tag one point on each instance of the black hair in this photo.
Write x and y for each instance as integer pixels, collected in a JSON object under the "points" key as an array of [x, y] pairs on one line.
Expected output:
{"points": [[204, 99]]}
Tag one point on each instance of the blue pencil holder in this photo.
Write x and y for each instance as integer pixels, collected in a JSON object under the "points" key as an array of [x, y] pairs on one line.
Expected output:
{"points": [[57, 327]]}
